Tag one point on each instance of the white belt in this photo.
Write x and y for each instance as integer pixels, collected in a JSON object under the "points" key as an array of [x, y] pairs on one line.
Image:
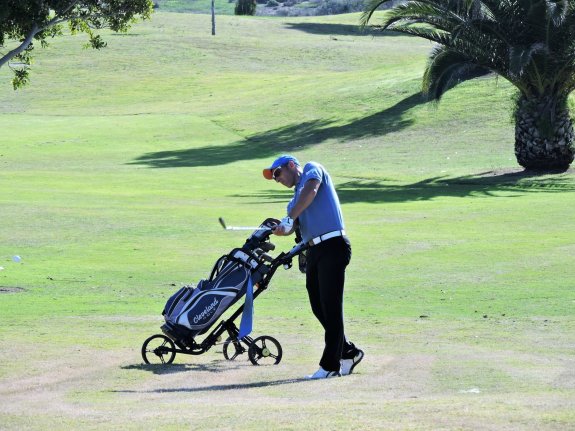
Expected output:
{"points": [[326, 236]]}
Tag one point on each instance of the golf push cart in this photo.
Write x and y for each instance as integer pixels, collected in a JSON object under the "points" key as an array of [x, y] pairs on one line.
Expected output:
{"points": [[193, 311]]}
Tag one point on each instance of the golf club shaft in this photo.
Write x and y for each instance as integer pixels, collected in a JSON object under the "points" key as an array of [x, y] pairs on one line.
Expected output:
{"points": [[226, 227]]}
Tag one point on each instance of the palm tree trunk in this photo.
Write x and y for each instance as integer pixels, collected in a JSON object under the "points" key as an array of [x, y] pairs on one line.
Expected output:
{"points": [[543, 133]]}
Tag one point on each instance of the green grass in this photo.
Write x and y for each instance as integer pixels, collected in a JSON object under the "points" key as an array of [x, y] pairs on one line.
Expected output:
{"points": [[115, 165]]}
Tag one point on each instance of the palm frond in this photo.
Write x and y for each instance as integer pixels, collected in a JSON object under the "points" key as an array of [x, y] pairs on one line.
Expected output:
{"points": [[557, 10], [425, 32], [370, 8], [446, 69], [486, 11], [423, 11], [520, 57]]}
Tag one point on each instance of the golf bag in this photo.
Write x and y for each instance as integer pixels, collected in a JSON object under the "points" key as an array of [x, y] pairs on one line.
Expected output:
{"points": [[192, 311]]}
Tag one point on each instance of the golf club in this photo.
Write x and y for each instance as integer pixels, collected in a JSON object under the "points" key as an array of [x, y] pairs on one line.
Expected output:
{"points": [[223, 223]]}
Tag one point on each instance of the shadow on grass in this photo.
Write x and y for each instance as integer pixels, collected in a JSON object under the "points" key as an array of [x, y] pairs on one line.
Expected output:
{"points": [[160, 369], [339, 29], [286, 139], [218, 388], [486, 184]]}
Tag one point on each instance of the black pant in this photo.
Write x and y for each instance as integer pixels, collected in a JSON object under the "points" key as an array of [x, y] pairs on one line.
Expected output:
{"points": [[325, 278]]}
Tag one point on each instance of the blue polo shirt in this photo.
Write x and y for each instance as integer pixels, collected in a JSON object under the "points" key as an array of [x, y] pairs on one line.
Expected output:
{"points": [[323, 215]]}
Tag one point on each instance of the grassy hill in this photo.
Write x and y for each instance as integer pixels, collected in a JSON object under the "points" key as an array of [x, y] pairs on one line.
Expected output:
{"points": [[265, 7], [115, 165], [224, 7]]}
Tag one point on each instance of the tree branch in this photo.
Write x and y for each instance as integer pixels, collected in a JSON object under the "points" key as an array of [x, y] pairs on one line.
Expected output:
{"points": [[22, 47], [71, 6], [57, 19]]}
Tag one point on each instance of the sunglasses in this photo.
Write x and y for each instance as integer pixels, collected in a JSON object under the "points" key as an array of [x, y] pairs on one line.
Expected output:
{"points": [[276, 173]]}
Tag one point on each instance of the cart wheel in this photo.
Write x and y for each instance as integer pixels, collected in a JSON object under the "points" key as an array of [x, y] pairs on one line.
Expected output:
{"points": [[158, 349], [233, 348], [265, 350]]}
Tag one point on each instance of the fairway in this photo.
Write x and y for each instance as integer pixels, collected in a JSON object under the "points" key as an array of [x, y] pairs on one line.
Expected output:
{"points": [[115, 166]]}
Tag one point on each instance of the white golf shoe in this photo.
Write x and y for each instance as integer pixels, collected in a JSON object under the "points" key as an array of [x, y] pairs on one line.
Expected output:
{"points": [[347, 365], [323, 374]]}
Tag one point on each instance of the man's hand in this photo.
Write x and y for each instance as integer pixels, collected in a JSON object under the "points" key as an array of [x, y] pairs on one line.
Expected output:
{"points": [[285, 227]]}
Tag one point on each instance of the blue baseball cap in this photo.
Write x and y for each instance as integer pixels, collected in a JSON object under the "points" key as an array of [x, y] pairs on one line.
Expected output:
{"points": [[280, 161]]}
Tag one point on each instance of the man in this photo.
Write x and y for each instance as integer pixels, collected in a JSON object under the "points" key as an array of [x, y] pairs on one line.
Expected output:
{"points": [[316, 210]]}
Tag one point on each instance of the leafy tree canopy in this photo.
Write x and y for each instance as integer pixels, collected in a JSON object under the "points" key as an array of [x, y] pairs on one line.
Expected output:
{"points": [[26, 22]]}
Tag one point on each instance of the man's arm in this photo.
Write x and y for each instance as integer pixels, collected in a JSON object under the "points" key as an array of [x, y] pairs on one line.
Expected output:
{"points": [[305, 199]]}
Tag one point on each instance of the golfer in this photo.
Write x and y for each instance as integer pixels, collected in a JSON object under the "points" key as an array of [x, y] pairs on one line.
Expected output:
{"points": [[315, 208]]}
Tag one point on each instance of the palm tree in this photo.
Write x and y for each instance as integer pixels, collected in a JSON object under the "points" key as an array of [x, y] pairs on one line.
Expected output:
{"points": [[530, 43]]}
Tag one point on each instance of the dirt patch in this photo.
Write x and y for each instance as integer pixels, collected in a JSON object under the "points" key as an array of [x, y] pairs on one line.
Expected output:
{"points": [[5, 289]]}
